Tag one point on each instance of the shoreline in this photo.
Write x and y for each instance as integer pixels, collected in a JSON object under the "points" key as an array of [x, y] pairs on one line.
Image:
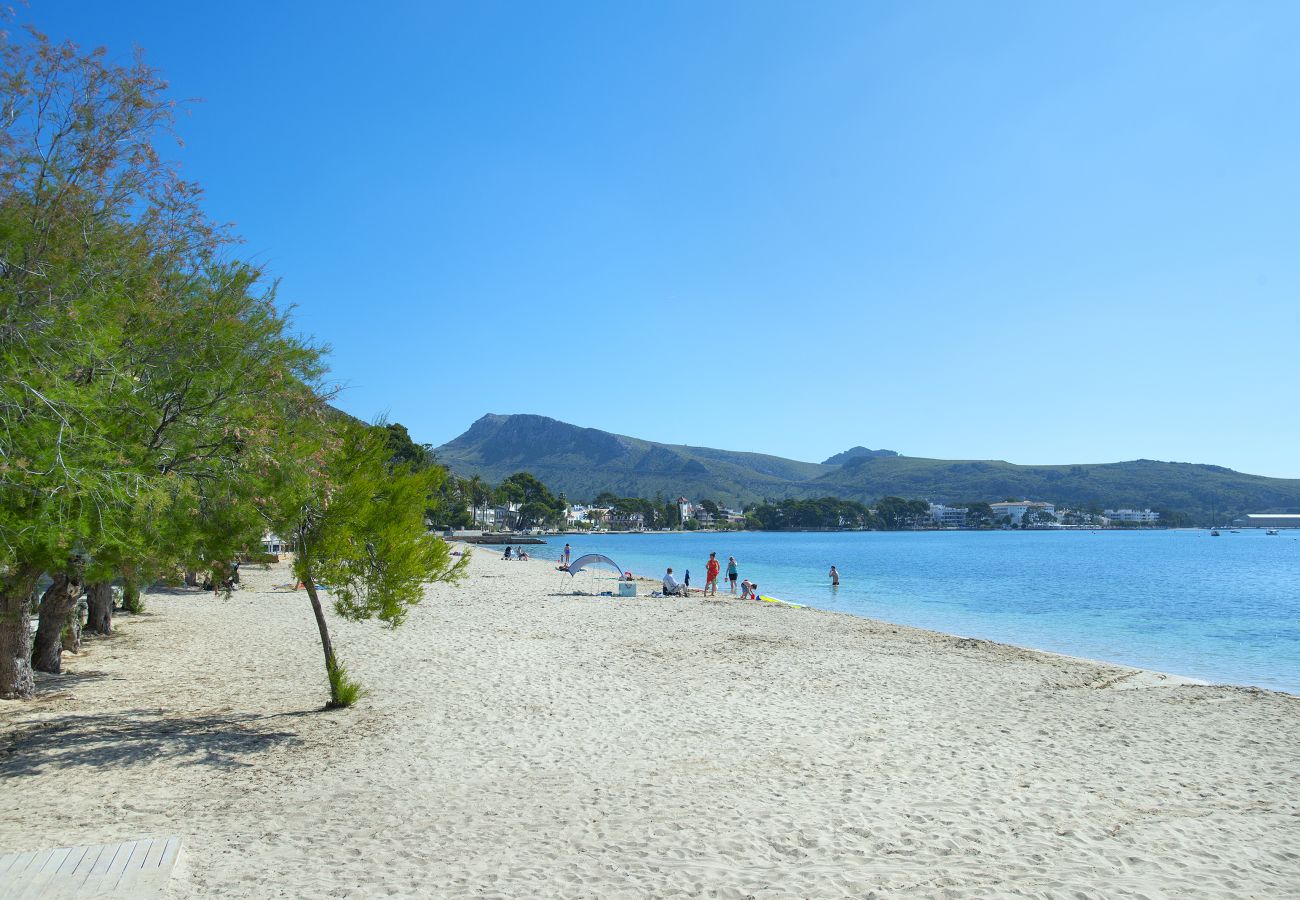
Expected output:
{"points": [[1264, 676], [518, 740], [1138, 673]]}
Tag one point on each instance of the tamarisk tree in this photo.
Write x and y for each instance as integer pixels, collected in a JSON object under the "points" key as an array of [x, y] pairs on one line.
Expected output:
{"points": [[142, 378], [359, 528]]}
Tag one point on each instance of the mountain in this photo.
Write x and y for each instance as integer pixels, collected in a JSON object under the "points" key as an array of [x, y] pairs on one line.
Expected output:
{"points": [[583, 462], [855, 453]]}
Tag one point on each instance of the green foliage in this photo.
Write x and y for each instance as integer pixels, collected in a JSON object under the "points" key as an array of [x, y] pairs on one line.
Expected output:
{"points": [[344, 691], [824, 512], [132, 602], [361, 529], [538, 506], [406, 451], [978, 514], [895, 512]]}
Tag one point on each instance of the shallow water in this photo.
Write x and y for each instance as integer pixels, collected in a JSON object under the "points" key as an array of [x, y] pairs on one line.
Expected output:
{"points": [[1223, 609]]}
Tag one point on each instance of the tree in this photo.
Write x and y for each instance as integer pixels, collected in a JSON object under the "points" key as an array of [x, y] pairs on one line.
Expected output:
{"points": [[405, 450], [711, 508], [141, 379], [537, 505], [360, 529], [978, 514], [89, 213]]}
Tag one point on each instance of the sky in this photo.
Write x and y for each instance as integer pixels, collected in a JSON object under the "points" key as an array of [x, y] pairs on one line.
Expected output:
{"points": [[1040, 232]]}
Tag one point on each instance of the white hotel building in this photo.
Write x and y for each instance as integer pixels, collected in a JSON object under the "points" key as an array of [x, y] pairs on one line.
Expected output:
{"points": [[1135, 516], [1016, 509]]}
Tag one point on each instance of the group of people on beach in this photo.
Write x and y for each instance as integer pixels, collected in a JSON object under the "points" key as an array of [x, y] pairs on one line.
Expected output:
{"points": [[712, 574], [673, 588]]}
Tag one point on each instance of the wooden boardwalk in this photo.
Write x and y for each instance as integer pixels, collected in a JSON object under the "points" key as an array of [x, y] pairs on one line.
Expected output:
{"points": [[133, 869]]}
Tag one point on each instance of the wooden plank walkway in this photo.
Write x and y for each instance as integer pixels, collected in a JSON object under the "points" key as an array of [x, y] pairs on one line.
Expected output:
{"points": [[132, 869]]}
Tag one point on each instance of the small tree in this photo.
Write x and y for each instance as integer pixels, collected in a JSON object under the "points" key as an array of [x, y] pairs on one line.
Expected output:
{"points": [[360, 530]]}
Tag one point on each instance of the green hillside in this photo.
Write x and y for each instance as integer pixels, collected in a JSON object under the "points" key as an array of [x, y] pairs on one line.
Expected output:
{"points": [[583, 462]]}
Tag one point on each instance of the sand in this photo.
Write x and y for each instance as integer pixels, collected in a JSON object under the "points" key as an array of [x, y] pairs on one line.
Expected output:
{"points": [[519, 741]]}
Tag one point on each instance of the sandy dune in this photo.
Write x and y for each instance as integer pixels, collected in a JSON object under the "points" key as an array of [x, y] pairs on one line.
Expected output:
{"points": [[521, 742]]}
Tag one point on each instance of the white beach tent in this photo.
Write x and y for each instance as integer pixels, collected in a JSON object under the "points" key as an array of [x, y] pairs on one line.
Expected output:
{"points": [[593, 564]]}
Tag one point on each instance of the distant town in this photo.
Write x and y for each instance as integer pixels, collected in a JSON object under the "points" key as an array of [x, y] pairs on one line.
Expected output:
{"points": [[891, 513]]}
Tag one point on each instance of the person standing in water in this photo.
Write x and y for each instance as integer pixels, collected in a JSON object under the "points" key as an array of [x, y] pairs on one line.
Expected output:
{"points": [[835, 577], [567, 551], [732, 572]]}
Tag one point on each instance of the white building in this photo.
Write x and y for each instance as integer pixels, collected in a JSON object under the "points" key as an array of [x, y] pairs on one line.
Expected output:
{"points": [[271, 543], [948, 516], [1138, 516], [1269, 520], [1016, 509], [622, 521]]}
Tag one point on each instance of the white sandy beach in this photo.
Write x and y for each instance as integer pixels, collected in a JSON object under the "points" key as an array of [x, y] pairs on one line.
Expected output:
{"points": [[522, 742]]}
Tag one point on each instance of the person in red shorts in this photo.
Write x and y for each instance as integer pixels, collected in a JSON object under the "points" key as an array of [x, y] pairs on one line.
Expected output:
{"points": [[711, 575]]}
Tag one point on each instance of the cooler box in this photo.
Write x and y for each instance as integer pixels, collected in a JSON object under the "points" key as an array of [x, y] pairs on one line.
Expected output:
{"points": [[627, 588]]}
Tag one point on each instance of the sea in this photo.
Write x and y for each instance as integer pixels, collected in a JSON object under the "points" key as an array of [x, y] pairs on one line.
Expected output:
{"points": [[1222, 609]]}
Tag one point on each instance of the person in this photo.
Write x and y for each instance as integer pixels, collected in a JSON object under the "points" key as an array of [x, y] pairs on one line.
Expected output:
{"points": [[711, 570], [753, 590], [732, 572], [835, 577], [671, 587], [745, 588], [686, 585], [567, 550], [522, 555], [509, 551]]}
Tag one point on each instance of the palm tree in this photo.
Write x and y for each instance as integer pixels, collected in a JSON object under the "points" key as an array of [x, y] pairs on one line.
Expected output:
{"points": [[478, 493]]}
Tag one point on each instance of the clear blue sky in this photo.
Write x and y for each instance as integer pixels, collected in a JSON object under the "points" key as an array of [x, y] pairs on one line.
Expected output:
{"points": [[1041, 232]]}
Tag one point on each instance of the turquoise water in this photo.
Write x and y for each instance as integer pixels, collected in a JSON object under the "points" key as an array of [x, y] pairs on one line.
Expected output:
{"points": [[1224, 609]]}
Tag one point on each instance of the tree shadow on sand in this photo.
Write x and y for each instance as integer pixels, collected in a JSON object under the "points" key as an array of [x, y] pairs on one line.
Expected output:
{"points": [[135, 737]]}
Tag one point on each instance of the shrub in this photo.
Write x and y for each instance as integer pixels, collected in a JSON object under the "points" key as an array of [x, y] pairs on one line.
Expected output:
{"points": [[131, 600], [343, 690]]}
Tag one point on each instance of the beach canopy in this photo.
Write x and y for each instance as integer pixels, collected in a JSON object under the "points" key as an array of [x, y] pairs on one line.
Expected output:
{"points": [[593, 559]]}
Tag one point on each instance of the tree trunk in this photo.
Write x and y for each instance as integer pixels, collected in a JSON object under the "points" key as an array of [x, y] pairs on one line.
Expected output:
{"points": [[191, 578], [16, 681], [99, 602], [59, 599], [72, 630], [324, 631]]}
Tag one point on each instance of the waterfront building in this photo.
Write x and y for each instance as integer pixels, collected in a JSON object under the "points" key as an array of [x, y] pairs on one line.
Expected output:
{"points": [[948, 516], [1269, 520], [623, 521], [1133, 516], [1016, 509]]}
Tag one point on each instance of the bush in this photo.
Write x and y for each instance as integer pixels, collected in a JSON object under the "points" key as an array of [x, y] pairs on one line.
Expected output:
{"points": [[263, 558], [343, 690], [131, 601]]}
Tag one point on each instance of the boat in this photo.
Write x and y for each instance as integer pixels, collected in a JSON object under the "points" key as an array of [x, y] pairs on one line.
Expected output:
{"points": [[1214, 532], [1271, 531]]}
